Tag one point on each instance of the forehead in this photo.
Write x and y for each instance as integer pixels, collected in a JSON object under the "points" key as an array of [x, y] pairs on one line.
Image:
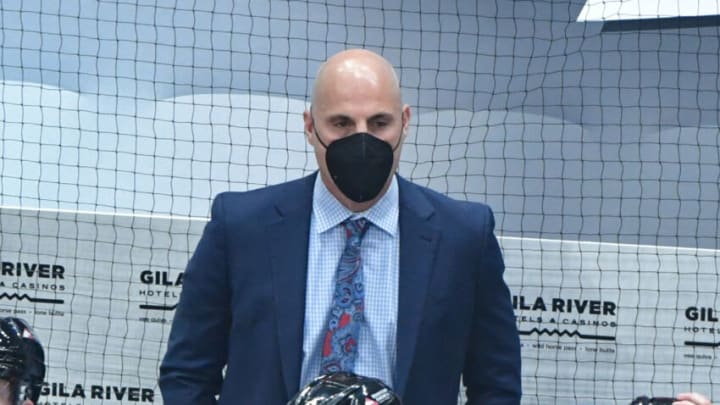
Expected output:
{"points": [[358, 104], [356, 90]]}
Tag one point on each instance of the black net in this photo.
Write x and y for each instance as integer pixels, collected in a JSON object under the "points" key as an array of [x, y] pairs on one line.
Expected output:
{"points": [[590, 127]]}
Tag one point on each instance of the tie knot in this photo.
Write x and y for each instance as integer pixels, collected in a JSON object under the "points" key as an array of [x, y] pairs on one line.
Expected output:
{"points": [[356, 228]]}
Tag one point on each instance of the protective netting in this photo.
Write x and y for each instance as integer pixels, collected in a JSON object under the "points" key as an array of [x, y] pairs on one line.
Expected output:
{"points": [[591, 128]]}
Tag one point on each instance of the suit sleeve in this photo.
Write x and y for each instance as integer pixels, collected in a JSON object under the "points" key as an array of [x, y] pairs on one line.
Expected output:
{"points": [[191, 371], [492, 366]]}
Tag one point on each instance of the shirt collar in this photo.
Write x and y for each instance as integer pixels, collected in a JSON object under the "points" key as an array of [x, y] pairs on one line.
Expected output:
{"points": [[329, 212]]}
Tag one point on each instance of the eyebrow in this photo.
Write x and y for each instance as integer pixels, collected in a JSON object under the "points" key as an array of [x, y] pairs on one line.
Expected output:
{"points": [[378, 116], [383, 115]]}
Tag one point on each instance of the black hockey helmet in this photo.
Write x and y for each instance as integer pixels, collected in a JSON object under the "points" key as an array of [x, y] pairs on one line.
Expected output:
{"points": [[22, 359], [644, 400], [344, 388]]}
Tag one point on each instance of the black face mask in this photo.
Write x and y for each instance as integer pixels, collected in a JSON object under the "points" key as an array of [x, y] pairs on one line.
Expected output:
{"points": [[359, 164]]}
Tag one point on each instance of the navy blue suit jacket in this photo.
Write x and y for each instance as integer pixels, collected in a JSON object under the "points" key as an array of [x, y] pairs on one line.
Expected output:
{"points": [[243, 303]]}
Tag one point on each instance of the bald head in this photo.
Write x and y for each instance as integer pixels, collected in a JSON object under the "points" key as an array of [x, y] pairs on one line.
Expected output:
{"points": [[353, 70]]}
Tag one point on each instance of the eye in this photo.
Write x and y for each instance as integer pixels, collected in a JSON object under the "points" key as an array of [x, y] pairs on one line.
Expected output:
{"points": [[381, 121], [341, 124]]}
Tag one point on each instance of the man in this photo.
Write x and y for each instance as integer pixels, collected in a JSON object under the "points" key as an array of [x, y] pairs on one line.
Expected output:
{"points": [[22, 363], [685, 398], [691, 398], [356, 270]]}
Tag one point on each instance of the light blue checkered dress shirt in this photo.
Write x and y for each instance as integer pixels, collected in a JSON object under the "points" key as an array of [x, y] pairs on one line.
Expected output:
{"points": [[380, 252]]}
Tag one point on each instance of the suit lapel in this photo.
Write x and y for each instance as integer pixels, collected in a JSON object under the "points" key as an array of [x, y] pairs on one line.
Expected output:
{"points": [[418, 241], [288, 232]]}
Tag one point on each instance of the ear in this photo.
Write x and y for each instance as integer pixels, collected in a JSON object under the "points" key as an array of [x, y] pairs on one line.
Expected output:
{"points": [[406, 115], [309, 126]]}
